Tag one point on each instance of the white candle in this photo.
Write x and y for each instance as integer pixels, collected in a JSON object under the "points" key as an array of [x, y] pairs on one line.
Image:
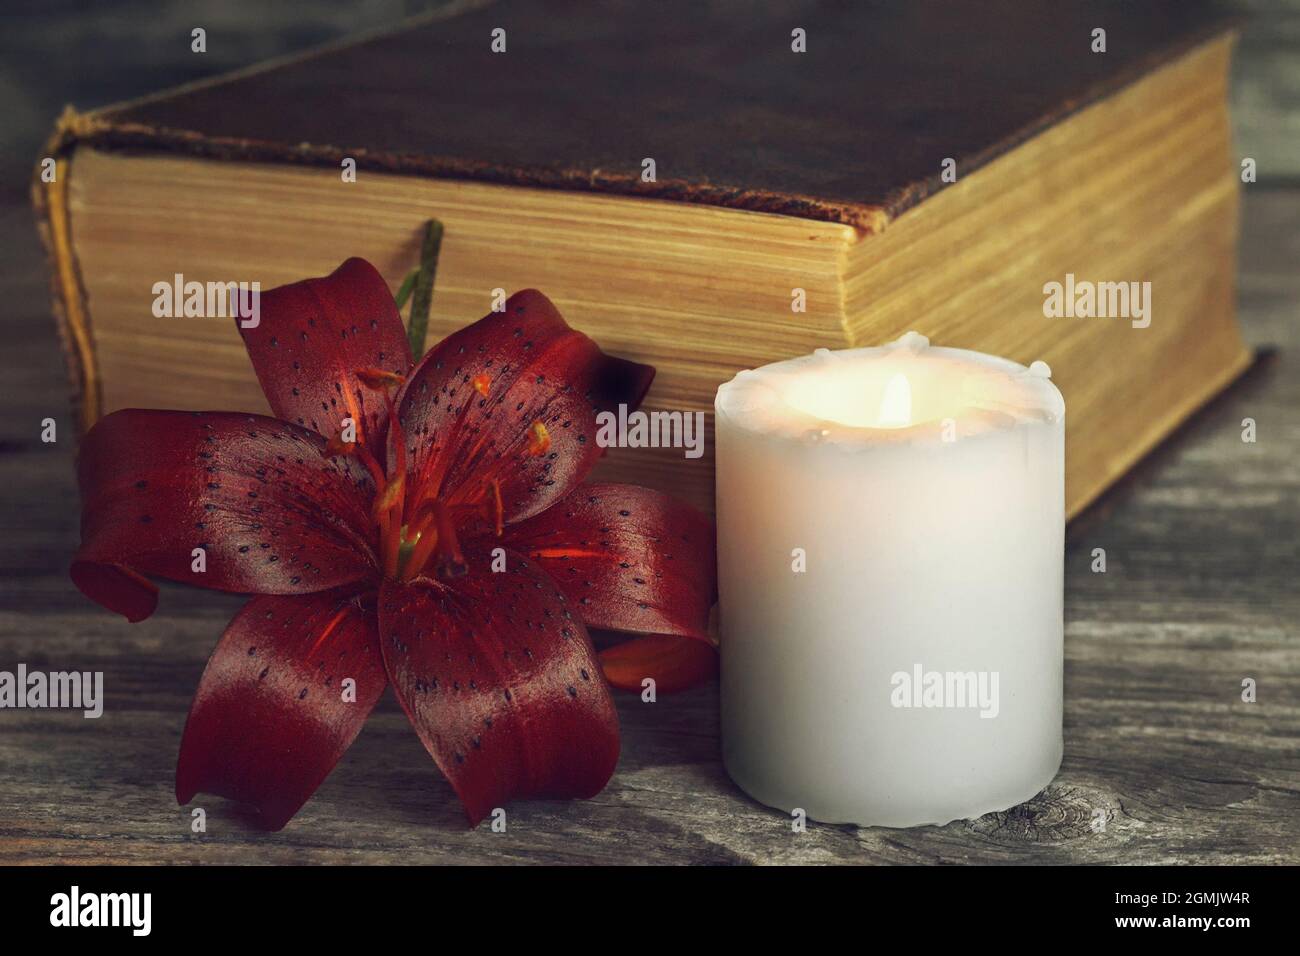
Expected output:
{"points": [[890, 555]]}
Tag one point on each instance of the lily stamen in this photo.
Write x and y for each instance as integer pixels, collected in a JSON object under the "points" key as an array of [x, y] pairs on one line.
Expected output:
{"points": [[539, 439], [448, 560], [390, 495], [378, 379]]}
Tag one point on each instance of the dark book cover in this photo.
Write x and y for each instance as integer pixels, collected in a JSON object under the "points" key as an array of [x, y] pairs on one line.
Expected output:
{"points": [[730, 113]]}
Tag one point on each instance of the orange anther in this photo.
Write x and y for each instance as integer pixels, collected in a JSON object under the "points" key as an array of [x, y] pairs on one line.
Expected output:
{"points": [[389, 495], [539, 439], [337, 446], [378, 378]]}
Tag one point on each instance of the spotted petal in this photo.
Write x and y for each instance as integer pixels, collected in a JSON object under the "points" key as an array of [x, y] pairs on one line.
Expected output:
{"points": [[312, 338], [271, 513], [500, 682], [629, 558], [282, 698], [633, 559], [512, 398]]}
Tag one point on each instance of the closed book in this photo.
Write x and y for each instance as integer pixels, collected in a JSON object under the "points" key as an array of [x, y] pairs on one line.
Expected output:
{"points": [[705, 188]]}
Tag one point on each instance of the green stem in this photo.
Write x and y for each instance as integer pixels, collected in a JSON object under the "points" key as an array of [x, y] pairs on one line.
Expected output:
{"points": [[422, 294], [408, 285]]}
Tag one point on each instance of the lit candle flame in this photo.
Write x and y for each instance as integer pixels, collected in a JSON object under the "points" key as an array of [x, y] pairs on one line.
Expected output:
{"points": [[896, 403]]}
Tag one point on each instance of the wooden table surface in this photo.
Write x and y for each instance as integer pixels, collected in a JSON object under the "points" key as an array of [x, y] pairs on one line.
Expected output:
{"points": [[1201, 592]]}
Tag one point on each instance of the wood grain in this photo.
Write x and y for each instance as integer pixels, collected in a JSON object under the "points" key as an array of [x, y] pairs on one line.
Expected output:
{"points": [[1200, 593]]}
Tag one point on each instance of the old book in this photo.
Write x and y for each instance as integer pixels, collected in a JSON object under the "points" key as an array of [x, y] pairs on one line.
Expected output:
{"points": [[780, 177]]}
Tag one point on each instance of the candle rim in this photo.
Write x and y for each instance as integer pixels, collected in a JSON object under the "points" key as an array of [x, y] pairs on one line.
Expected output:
{"points": [[754, 400]]}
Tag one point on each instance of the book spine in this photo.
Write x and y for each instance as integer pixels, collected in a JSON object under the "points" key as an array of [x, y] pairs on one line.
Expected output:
{"points": [[68, 294]]}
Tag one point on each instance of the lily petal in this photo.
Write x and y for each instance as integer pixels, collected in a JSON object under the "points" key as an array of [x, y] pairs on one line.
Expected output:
{"points": [[271, 512], [628, 558], [512, 398], [674, 663], [312, 338], [501, 683], [273, 713]]}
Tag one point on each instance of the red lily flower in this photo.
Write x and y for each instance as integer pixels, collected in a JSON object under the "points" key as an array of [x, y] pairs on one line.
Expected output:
{"points": [[438, 539]]}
